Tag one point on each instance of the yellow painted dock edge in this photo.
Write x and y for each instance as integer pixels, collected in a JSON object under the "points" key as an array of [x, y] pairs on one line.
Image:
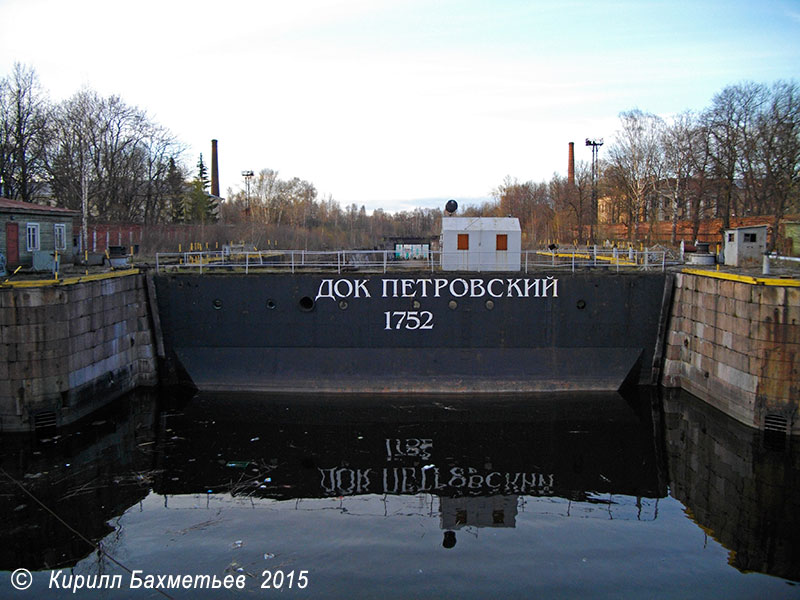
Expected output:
{"points": [[67, 280], [622, 261], [744, 278]]}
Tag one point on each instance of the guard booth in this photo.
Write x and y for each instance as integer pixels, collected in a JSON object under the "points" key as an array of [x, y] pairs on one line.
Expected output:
{"points": [[481, 244], [745, 246]]}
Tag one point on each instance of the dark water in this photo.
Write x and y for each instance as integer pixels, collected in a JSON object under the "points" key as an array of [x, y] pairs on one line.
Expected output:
{"points": [[584, 497]]}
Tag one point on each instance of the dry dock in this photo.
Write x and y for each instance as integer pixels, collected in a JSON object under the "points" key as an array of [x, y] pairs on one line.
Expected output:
{"points": [[70, 346]]}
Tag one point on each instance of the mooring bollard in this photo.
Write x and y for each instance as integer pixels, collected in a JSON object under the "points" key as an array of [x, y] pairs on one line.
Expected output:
{"points": [[765, 265]]}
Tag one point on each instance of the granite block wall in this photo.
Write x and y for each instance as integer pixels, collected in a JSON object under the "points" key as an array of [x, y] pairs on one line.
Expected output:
{"points": [[737, 346], [67, 349]]}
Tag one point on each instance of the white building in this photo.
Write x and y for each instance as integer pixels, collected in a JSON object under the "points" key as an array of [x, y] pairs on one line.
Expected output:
{"points": [[745, 245], [481, 244]]}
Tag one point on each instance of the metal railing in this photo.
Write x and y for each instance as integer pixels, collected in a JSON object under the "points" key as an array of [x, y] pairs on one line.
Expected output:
{"points": [[594, 257], [388, 260]]}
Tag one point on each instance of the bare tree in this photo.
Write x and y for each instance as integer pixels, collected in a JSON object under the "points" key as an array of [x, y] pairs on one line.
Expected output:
{"points": [[159, 151], [678, 150], [777, 155], [264, 200], [635, 163], [729, 126], [115, 155], [6, 145], [24, 116], [70, 152], [531, 202], [574, 201]]}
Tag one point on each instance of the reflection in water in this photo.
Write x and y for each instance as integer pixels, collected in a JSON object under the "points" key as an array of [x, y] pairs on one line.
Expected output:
{"points": [[87, 474], [740, 487], [568, 447], [545, 481], [477, 459]]}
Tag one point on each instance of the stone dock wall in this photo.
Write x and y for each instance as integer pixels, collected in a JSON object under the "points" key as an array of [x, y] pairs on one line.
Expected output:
{"points": [[736, 345], [67, 349]]}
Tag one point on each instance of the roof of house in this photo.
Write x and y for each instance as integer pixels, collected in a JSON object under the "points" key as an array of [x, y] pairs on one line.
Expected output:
{"points": [[7, 205], [746, 227], [480, 224]]}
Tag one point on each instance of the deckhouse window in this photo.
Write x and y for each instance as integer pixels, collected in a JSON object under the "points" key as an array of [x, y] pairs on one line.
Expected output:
{"points": [[463, 241], [32, 237], [749, 238], [502, 241]]}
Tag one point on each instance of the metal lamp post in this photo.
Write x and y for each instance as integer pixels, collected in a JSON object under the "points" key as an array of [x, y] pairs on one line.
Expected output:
{"points": [[595, 145], [248, 175]]}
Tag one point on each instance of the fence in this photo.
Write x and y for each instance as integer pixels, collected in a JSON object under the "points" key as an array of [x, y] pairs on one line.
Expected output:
{"points": [[384, 261]]}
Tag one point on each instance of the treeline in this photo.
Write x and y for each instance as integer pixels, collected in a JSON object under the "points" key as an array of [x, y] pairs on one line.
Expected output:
{"points": [[290, 211], [739, 157], [130, 169]]}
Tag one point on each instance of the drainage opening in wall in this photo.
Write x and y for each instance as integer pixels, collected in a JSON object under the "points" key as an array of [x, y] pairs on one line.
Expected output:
{"points": [[775, 422], [44, 419], [775, 429]]}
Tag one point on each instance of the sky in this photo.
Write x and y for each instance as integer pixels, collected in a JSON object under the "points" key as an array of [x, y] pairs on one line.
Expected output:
{"points": [[399, 104]]}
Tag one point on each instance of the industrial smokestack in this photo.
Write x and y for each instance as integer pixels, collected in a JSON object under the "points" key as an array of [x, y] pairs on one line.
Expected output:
{"points": [[214, 169], [571, 165]]}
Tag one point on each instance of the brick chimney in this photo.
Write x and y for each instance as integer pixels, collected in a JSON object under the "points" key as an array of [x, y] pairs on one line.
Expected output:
{"points": [[214, 169], [571, 165]]}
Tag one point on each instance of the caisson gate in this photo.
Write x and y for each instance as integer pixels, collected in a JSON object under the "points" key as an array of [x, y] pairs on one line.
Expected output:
{"points": [[413, 332]]}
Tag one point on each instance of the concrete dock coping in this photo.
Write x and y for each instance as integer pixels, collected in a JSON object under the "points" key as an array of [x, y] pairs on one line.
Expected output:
{"points": [[26, 283], [785, 282]]}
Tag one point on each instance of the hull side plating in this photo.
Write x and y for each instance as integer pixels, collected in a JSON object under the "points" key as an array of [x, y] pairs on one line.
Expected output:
{"points": [[417, 332]]}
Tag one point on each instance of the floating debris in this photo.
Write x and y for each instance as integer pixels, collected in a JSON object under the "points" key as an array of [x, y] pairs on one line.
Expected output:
{"points": [[237, 544], [268, 556], [237, 464]]}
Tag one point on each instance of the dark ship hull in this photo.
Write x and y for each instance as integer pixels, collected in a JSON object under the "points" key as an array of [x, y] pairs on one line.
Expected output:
{"points": [[413, 332]]}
